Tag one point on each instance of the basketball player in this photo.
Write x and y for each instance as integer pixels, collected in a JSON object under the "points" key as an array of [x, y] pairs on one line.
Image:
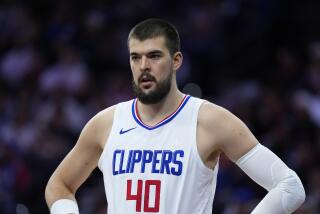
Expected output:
{"points": [[159, 153]]}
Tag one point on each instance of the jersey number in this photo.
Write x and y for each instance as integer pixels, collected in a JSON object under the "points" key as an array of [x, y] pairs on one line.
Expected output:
{"points": [[138, 197]]}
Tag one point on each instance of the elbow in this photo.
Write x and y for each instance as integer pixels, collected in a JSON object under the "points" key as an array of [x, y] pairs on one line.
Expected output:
{"points": [[294, 192], [301, 194]]}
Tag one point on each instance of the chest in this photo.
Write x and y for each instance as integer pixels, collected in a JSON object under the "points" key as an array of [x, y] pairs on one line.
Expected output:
{"points": [[160, 151]]}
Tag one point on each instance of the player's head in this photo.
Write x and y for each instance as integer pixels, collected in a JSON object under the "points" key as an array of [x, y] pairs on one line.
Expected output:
{"points": [[152, 28], [154, 47]]}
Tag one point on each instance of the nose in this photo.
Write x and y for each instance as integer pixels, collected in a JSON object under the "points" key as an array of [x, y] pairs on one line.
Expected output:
{"points": [[144, 64]]}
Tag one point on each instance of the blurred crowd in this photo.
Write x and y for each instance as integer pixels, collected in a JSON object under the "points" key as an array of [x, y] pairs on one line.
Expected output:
{"points": [[63, 61]]}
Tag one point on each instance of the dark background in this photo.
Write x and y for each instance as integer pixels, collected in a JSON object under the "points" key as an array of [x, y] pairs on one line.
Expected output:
{"points": [[63, 61]]}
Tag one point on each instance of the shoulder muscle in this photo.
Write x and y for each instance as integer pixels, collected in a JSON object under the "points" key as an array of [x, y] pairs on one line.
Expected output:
{"points": [[226, 132]]}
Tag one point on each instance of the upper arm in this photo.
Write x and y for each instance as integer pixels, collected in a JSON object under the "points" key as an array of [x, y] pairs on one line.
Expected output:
{"points": [[224, 132], [83, 158]]}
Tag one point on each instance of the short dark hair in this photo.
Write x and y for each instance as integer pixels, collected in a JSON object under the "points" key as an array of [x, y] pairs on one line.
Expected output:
{"points": [[152, 28]]}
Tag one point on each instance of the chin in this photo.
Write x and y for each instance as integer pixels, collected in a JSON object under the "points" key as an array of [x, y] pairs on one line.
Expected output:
{"points": [[148, 90]]}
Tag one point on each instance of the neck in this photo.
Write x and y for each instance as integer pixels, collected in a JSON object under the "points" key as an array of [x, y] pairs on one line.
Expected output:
{"points": [[153, 113]]}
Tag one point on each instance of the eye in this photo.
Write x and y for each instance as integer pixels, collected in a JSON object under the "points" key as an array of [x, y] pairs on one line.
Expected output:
{"points": [[155, 56], [135, 57]]}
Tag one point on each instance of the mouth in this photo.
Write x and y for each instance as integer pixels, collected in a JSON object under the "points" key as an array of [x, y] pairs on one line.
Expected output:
{"points": [[146, 81]]}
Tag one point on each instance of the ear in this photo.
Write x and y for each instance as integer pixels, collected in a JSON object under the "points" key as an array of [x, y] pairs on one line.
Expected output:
{"points": [[177, 60]]}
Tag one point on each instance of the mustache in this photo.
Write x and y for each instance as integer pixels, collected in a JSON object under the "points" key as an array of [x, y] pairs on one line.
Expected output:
{"points": [[146, 76]]}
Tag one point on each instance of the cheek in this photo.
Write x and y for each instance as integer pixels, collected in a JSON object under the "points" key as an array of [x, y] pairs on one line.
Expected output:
{"points": [[134, 72], [135, 77], [164, 70]]}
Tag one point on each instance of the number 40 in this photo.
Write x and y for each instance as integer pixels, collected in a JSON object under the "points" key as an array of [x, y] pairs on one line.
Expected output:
{"points": [[138, 196]]}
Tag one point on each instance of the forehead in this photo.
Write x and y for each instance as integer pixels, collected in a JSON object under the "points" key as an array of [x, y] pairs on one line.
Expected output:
{"points": [[147, 45]]}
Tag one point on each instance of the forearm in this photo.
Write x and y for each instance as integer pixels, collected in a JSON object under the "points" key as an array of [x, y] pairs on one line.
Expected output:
{"points": [[286, 192], [56, 191], [60, 199]]}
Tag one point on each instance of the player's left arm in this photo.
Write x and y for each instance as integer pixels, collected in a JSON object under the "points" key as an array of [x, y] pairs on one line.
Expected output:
{"points": [[285, 190]]}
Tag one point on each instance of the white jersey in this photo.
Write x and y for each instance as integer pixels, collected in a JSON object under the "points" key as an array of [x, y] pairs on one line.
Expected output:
{"points": [[156, 169]]}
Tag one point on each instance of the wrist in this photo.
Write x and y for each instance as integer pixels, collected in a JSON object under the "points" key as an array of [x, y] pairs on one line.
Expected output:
{"points": [[64, 206]]}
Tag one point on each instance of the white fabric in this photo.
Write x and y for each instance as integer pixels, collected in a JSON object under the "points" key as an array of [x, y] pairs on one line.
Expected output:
{"points": [[64, 206], [286, 192], [190, 192]]}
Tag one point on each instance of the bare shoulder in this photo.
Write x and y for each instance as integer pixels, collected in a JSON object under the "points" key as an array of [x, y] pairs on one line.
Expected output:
{"points": [[99, 126], [210, 131], [104, 118], [211, 115], [212, 122], [224, 131]]}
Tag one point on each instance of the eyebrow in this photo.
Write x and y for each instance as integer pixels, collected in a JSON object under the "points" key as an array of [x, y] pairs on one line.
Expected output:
{"points": [[148, 53]]}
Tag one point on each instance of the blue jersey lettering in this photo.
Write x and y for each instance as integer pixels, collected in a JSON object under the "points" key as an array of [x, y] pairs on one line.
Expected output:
{"points": [[136, 159], [157, 161], [178, 163], [146, 158], [165, 162]]}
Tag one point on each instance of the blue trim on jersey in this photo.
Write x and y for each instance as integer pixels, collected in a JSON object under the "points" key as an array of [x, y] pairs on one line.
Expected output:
{"points": [[161, 123]]}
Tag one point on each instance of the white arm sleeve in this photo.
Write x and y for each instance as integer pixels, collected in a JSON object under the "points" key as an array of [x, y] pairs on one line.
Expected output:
{"points": [[64, 206], [286, 192]]}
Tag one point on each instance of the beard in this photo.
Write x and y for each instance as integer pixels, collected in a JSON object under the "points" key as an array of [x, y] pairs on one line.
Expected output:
{"points": [[157, 94]]}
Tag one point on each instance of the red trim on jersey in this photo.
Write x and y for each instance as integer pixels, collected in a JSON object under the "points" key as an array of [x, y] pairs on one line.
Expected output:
{"points": [[167, 117]]}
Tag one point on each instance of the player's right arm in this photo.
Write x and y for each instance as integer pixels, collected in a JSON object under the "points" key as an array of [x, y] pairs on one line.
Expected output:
{"points": [[222, 132], [78, 164]]}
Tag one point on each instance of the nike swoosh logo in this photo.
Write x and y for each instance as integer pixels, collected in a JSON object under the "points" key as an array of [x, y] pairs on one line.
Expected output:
{"points": [[125, 131]]}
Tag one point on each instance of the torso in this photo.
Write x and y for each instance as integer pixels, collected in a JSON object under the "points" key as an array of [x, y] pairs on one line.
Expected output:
{"points": [[167, 162]]}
